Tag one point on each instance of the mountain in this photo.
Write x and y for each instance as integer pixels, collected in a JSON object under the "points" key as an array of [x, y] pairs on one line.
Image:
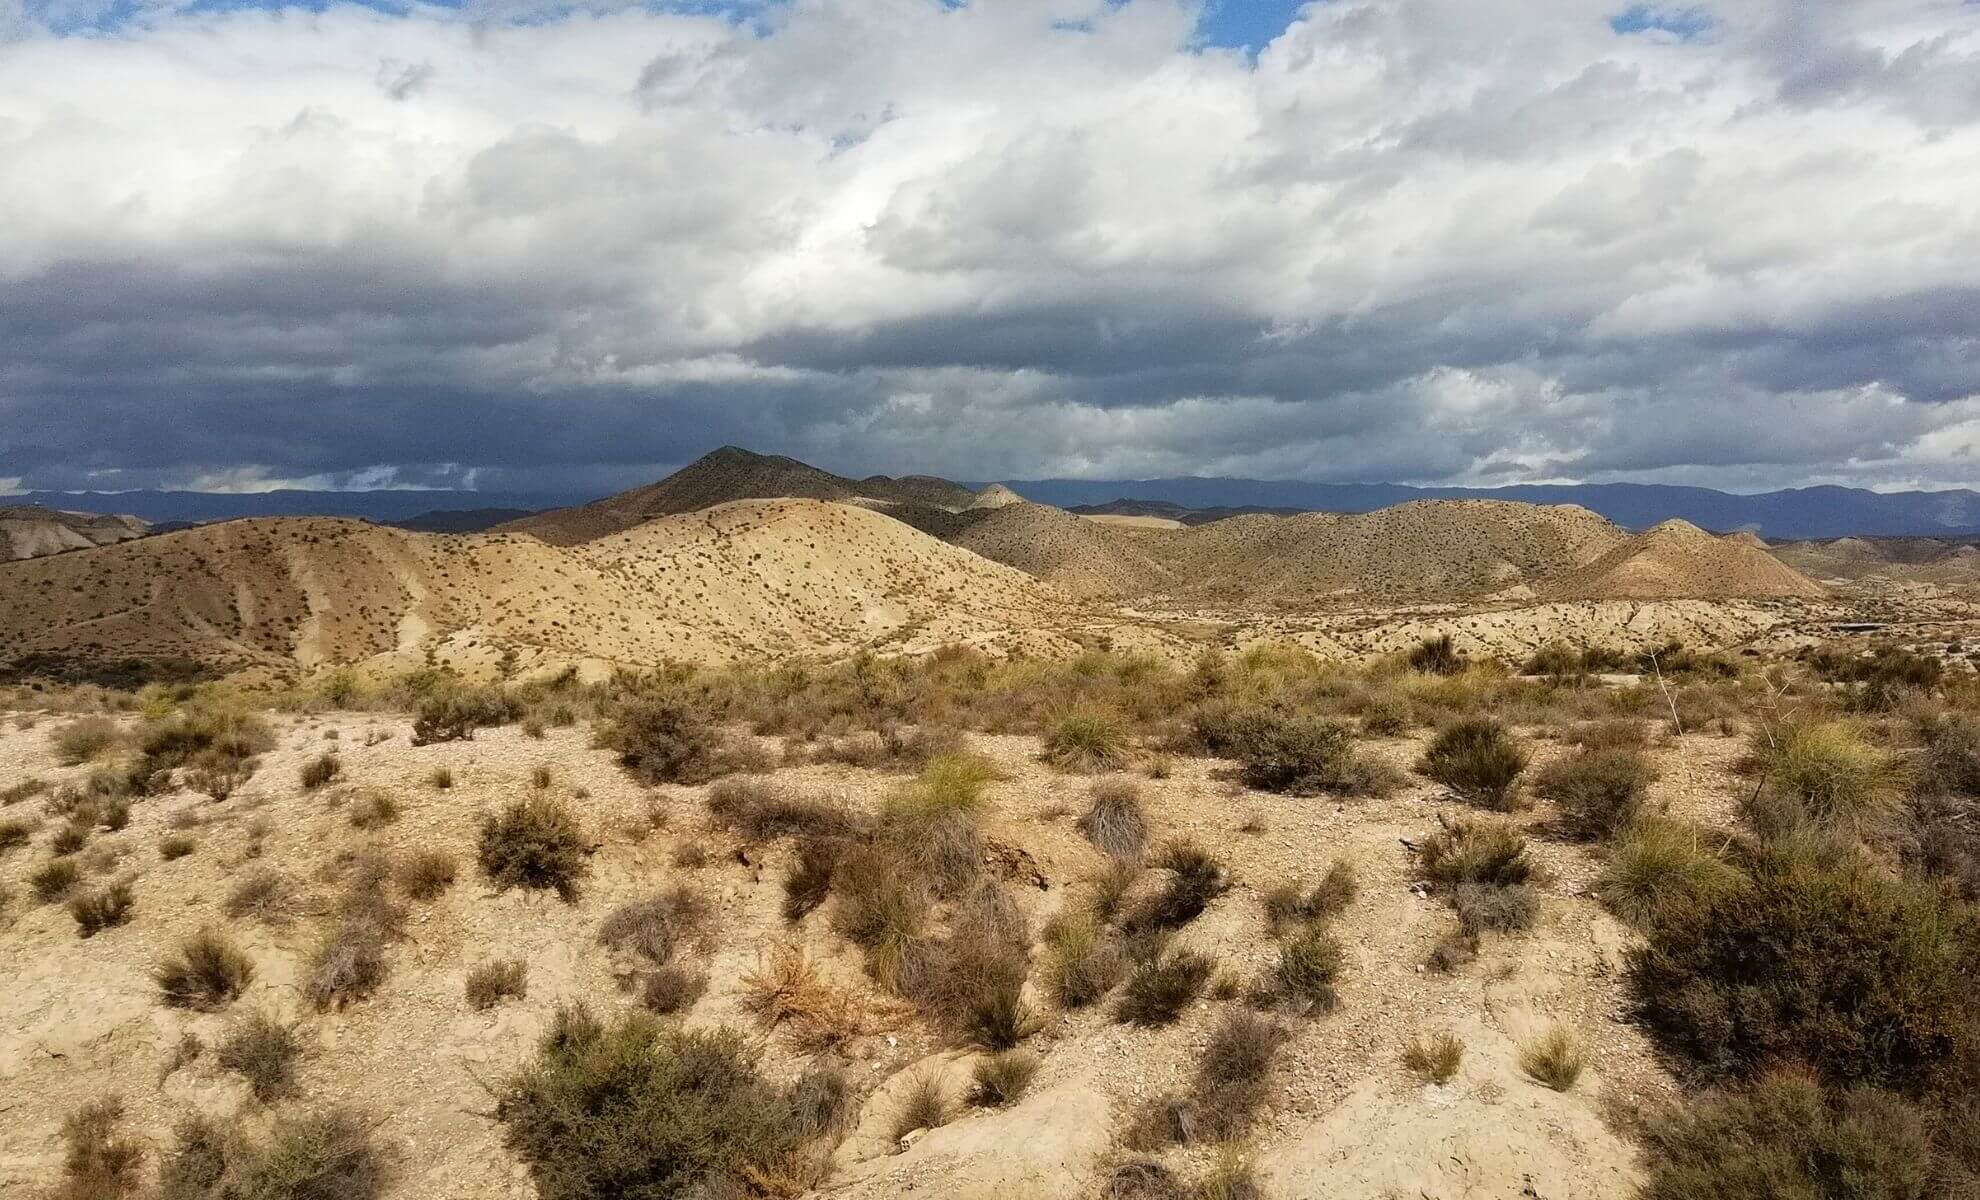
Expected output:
{"points": [[30, 530], [732, 473], [1815, 512], [746, 580], [1676, 558], [160, 508], [1066, 551]]}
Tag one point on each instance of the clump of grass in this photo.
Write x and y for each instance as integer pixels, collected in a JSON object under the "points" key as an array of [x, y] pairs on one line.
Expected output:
{"points": [[763, 811], [206, 974], [1597, 793], [1082, 963], [69, 839], [84, 739], [1158, 988], [320, 771], [1001, 1078], [949, 783], [102, 909], [1827, 776], [1478, 761], [1307, 970], [1476, 851], [322, 1155], [1499, 908], [671, 988], [174, 846], [923, 1104], [809, 880], [1553, 1057], [655, 927], [880, 907], [349, 963], [1288, 904], [100, 1160], [1434, 1059], [440, 779], [15, 833], [263, 1051], [493, 982], [265, 896], [633, 1108], [425, 874], [534, 843], [1195, 878], [1661, 864], [373, 809], [1087, 740], [1436, 656], [1114, 822], [54, 880]]}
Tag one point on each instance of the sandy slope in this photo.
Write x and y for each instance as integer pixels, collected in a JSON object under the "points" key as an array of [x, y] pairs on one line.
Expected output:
{"points": [[30, 531], [747, 579], [1070, 552], [1921, 560], [1677, 558]]}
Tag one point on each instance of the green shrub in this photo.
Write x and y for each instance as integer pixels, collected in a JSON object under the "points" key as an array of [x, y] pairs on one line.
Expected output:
{"points": [[454, 714], [1081, 963], [1436, 656], [1478, 760], [661, 739], [1597, 793], [1385, 714], [1826, 960], [1783, 1136], [1307, 756], [1086, 740], [534, 843], [1476, 851], [206, 974], [1660, 863], [262, 1051], [103, 909], [1826, 776], [631, 1110]]}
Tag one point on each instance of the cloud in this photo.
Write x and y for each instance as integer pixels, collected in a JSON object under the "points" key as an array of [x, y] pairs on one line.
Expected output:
{"points": [[1423, 240]]}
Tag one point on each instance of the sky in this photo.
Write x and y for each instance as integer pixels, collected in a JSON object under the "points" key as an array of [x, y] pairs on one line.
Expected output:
{"points": [[516, 245]]}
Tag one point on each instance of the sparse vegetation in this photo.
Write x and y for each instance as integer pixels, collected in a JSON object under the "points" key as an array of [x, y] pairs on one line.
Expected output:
{"points": [[54, 880], [1553, 1057], [1436, 656], [320, 771], [493, 982], [425, 874], [1288, 904], [1087, 740], [1826, 776], [1158, 988], [100, 1160], [83, 740], [535, 842], [1002, 1078], [205, 975], [266, 896], [1478, 761], [1308, 967], [263, 1051], [373, 809], [175, 846], [1597, 793], [329, 1154], [105, 908], [1195, 878], [1434, 1059], [1114, 822], [1082, 963]]}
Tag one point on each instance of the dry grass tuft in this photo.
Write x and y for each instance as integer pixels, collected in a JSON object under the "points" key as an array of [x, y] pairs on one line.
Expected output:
{"points": [[425, 874], [923, 1104], [265, 896], [1002, 1078], [100, 1161], [493, 982], [262, 1051], [1114, 823], [1086, 740], [205, 975], [1434, 1059], [1158, 988], [106, 908], [1478, 761], [1554, 1057], [785, 993]]}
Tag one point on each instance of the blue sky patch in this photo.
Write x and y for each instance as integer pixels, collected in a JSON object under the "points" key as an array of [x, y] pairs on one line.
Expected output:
{"points": [[1683, 23]]}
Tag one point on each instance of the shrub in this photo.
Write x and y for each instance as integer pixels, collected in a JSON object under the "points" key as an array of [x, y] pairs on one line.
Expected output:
{"points": [[1476, 851], [671, 988], [1302, 755], [1785, 1137], [1386, 714], [1081, 963], [1002, 1078], [762, 811], [1477, 760], [1436, 656], [1553, 1057], [655, 927], [217, 746], [663, 740], [425, 874], [1142, 1179], [1114, 823], [373, 809], [1087, 740], [534, 843], [1287, 904], [1308, 967], [1195, 879], [100, 1162], [922, 1104], [103, 909], [1825, 775], [454, 715], [84, 739], [348, 962], [880, 907], [633, 1109], [206, 974], [114, 814], [1500, 908], [262, 1051], [809, 880], [785, 992], [1658, 864], [69, 839], [440, 779], [174, 846], [1597, 793], [53, 881], [326, 1155], [1435, 1059], [1159, 988], [265, 896], [319, 771], [949, 783], [14, 833], [1826, 960], [493, 982]]}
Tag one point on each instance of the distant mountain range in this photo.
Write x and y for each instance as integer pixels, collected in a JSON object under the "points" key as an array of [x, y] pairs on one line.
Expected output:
{"points": [[1817, 512]]}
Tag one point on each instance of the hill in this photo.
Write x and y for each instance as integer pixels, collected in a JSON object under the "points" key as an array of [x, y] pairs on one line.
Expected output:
{"points": [[732, 473], [1678, 559], [741, 581], [1913, 559], [30, 530], [1422, 550], [461, 520], [1069, 552]]}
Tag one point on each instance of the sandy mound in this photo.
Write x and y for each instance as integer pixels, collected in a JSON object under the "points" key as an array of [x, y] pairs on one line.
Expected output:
{"points": [[1916, 559], [1067, 551], [1678, 559], [1429, 549], [742, 580], [995, 496], [729, 474], [1746, 537], [30, 531]]}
